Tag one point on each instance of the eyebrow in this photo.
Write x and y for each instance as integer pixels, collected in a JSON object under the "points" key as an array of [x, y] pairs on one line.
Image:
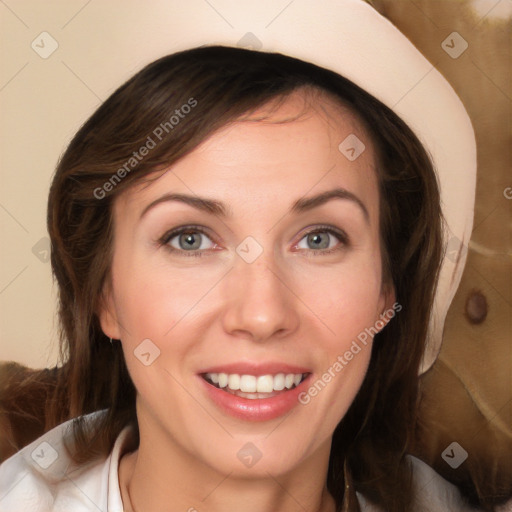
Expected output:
{"points": [[301, 205], [308, 203]]}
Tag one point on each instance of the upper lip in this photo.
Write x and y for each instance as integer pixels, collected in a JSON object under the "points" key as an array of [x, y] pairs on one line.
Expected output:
{"points": [[255, 368]]}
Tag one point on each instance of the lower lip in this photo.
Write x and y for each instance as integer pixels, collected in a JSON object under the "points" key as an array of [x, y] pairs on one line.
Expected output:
{"points": [[258, 409]]}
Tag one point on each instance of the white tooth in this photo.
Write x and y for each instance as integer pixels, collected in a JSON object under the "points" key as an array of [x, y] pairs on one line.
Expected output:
{"points": [[279, 382], [265, 384], [297, 379], [288, 381], [234, 381], [223, 380], [248, 383], [214, 377]]}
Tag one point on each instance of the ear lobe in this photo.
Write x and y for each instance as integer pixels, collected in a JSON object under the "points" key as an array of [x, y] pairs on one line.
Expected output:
{"points": [[388, 307], [106, 315]]}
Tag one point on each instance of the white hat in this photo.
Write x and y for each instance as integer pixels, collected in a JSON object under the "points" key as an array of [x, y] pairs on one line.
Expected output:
{"points": [[353, 39]]}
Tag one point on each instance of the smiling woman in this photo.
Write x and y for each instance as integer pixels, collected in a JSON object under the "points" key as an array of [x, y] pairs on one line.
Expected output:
{"points": [[278, 224]]}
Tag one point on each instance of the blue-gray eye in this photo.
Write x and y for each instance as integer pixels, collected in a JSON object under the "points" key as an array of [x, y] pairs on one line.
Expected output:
{"points": [[189, 240], [320, 239]]}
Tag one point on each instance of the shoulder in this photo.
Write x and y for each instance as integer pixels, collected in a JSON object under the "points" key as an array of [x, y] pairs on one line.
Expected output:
{"points": [[43, 477], [431, 492]]}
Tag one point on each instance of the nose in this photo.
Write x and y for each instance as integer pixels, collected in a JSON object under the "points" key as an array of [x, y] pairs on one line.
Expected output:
{"points": [[259, 302]]}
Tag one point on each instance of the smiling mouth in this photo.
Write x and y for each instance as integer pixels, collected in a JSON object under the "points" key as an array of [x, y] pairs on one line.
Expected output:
{"points": [[255, 387]]}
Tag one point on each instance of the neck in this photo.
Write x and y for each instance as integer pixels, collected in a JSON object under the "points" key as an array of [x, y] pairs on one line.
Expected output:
{"points": [[149, 481]]}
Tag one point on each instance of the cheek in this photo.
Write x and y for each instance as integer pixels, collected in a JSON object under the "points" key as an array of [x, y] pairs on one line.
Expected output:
{"points": [[149, 304], [164, 306], [346, 299], [152, 299]]}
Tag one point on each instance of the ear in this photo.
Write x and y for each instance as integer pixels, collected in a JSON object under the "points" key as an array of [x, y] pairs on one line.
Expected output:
{"points": [[388, 307], [107, 314]]}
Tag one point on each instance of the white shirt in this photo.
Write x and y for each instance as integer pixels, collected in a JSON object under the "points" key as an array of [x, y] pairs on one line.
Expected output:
{"points": [[41, 478]]}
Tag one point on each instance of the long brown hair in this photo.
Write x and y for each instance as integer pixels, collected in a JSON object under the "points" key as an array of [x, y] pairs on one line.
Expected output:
{"points": [[226, 83]]}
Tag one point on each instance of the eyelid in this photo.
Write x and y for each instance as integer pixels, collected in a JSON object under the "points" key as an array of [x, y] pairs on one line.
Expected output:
{"points": [[172, 233], [325, 228], [179, 230]]}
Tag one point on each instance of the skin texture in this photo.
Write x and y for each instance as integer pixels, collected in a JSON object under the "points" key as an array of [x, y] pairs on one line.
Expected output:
{"points": [[294, 304]]}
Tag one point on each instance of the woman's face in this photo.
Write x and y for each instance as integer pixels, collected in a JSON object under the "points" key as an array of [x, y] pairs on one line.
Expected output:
{"points": [[278, 273]]}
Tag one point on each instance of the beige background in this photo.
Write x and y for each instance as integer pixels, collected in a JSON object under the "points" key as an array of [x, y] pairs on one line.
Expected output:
{"points": [[43, 101]]}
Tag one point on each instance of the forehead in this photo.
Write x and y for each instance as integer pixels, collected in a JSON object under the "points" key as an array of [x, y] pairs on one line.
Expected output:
{"points": [[306, 108], [293, 145]]}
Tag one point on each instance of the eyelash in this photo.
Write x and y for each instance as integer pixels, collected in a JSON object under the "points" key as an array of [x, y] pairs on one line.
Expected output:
{"points": [[164, 241], [167, 237]]}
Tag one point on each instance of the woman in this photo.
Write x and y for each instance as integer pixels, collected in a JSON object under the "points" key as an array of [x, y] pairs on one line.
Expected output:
{"points": [[274, 369]]}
